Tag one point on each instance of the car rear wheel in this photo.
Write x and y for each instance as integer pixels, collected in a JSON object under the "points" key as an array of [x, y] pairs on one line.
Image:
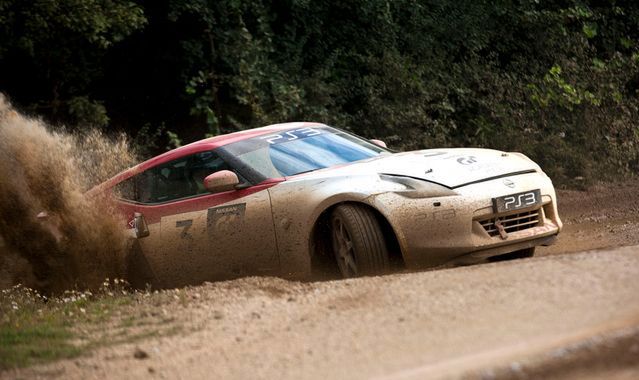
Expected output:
{"points": [[358, 241]]}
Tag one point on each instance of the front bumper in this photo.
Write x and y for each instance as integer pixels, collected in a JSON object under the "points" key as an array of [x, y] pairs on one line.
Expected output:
{"points": [[434, 231]]}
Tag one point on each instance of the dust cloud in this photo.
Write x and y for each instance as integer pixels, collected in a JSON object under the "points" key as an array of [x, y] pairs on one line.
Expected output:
{"points": [[80, 240]]}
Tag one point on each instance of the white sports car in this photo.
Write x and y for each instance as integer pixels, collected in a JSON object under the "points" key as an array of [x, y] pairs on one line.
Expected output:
{"points": [[291, 199]]}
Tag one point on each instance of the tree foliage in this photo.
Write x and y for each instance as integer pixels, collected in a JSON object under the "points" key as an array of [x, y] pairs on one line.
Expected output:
{"points": [[55, 46], [558, 80]]}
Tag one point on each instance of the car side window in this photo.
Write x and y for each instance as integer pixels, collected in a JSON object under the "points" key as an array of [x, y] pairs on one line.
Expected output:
{"points": [[181, 178]]}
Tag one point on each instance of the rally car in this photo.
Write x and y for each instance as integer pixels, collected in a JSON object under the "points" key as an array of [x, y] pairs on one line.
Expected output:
{"points": [[296, 198]]}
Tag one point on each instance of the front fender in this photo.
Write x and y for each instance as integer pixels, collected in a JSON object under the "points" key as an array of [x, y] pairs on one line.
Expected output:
{"points": [[297, 205]]}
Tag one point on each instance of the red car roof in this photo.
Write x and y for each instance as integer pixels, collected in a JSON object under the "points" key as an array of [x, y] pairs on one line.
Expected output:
{"points": [[197, 147]]}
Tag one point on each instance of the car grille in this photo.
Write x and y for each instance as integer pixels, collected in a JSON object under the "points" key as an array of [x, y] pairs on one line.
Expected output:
{"points": [[512, 223]]}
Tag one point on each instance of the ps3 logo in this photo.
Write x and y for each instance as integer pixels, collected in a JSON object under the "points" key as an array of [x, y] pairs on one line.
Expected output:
{"points": [[520, 200], [291, 135]]}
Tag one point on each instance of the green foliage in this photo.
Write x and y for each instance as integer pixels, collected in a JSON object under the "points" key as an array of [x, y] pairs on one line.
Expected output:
{"points": [[556, 90], [35, 328], [98, 22], [62, 42], [84, 111], [23, 345], [557, 80], [174, 140], [146, 139]]}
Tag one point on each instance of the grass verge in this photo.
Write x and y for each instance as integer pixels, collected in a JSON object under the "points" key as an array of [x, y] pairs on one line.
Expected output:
{"points": [[36, 329]]}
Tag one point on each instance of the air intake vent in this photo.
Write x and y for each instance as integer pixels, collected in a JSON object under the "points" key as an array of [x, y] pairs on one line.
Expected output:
{"points": [[511, 223]]}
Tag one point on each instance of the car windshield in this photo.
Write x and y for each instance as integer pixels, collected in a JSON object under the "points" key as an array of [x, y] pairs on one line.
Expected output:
{"points": [[301, 150]]}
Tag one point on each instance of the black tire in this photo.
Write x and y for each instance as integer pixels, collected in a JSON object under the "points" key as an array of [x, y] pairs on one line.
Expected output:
{"points": [[521, 254], [358, 242]]}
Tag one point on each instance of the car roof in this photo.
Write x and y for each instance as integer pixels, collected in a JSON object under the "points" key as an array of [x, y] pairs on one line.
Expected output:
{"points": [[201, 146]]}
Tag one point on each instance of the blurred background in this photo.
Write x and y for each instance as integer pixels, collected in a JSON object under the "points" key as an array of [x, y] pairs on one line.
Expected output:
{"points": [[557, 80]]}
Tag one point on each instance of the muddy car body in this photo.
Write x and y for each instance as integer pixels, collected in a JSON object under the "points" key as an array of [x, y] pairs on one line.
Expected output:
{"points": [[290, 198]]}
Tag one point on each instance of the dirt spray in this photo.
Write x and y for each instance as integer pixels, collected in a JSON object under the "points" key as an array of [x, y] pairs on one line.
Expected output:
{"points": [[54, 236]]}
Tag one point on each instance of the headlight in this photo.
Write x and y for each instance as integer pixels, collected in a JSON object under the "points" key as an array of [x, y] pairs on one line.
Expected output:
{"points": [[418, 188]]}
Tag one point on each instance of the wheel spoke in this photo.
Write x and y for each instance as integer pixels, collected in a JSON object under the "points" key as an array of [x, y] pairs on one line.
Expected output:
{"points": [[358, 241], [343, 247], [350, 263]]}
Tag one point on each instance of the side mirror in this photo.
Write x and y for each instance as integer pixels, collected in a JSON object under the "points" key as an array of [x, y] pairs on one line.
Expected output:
{"points": [[140, 227], [379, 143], [224, 180]]}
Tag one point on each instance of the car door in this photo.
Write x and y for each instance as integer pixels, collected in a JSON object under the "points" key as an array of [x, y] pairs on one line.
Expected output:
{"points": [[195, 236]]}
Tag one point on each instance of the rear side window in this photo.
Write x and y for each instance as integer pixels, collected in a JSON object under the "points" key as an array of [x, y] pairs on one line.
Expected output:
{"points": [[182, 178]]}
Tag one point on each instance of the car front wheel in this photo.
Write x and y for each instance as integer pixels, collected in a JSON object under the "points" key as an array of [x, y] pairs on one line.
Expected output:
{"points": [[358, 241]]}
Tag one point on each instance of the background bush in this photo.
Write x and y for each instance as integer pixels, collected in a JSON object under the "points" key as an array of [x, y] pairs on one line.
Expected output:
{"points": [[557, 80]]}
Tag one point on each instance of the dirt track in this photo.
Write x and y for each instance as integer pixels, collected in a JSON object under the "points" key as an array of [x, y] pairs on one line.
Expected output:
{"points": [[605, 216], [558, 315]]}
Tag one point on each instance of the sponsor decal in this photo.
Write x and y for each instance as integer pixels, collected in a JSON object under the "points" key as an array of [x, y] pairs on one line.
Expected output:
{"points": [[517, 201], [508, 182], [441, 215], [444, 214], [468, 160], [224, 218], [291, 135]]}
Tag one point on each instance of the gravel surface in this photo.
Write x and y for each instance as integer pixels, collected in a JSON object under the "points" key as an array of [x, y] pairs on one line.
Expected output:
{"points": [[607, 215], [446, 323], [558, 315]]}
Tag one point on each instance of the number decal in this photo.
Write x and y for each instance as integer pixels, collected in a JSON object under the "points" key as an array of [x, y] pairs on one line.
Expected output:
{"points": [[186, 225]]}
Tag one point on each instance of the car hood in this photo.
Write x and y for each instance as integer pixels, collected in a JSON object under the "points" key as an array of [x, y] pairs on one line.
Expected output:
{"points": [[452, 168]]}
